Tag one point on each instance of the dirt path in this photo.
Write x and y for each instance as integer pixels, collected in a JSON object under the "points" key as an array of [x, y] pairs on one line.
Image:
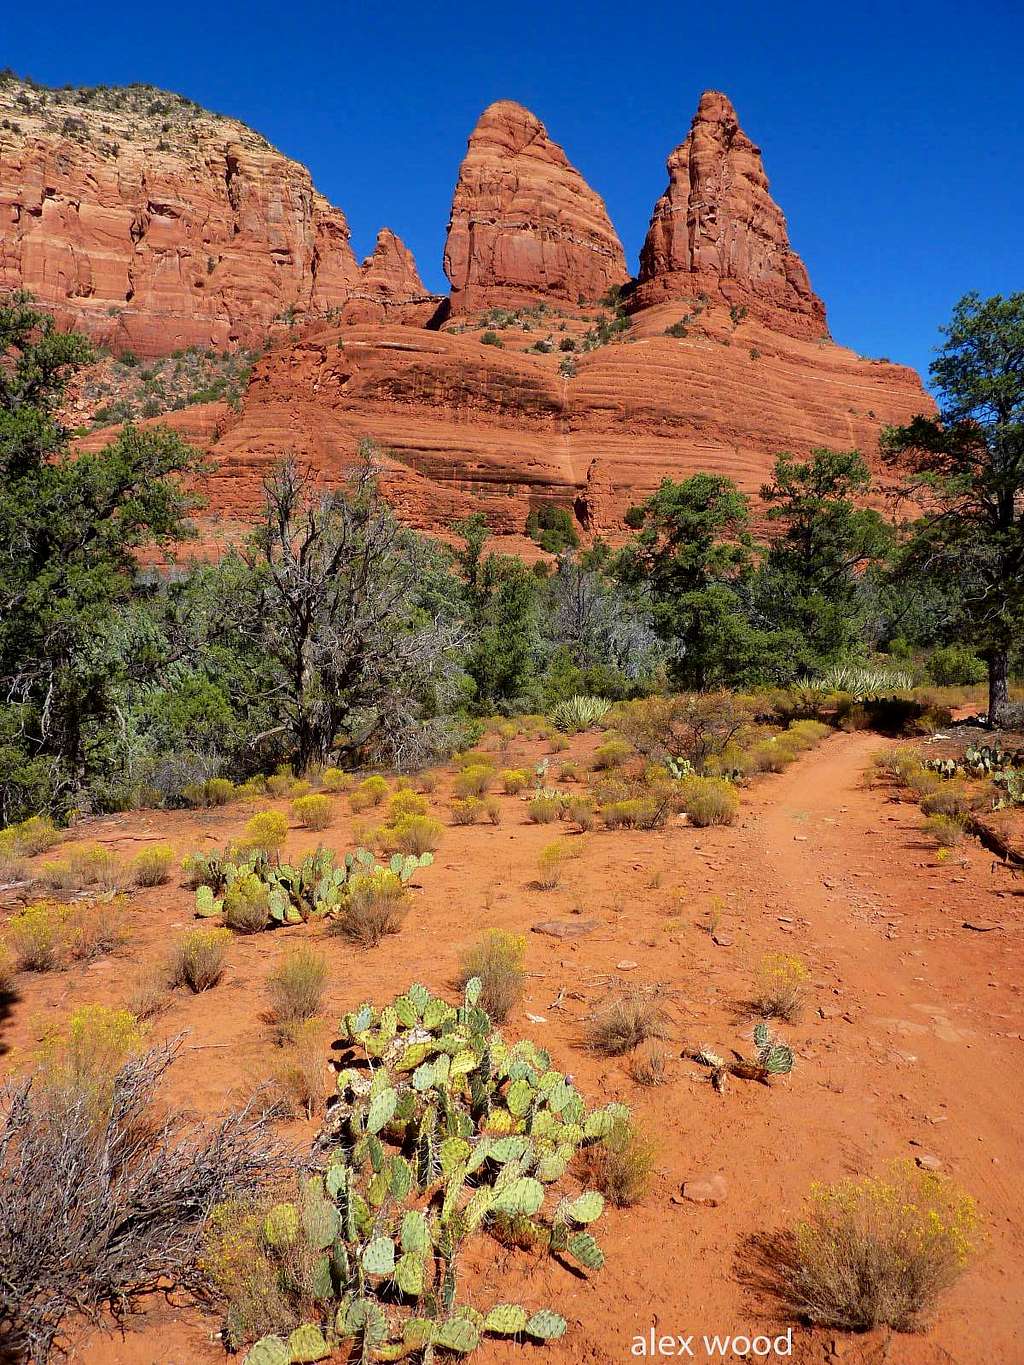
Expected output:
{"points": [[924, 1022], [911, 1044]]}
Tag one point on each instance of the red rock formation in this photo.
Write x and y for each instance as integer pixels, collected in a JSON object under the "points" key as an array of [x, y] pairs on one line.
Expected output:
{"points": [[525, 226], [153, 224], [716, 230], [478, 428], [389, 288]]}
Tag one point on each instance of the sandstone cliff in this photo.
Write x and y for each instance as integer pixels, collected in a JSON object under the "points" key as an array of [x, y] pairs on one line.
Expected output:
{"points": [[716, 230], [153, 224], [525, 226]]}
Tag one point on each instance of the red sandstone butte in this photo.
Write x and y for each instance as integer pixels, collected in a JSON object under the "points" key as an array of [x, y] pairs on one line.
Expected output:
{"points": [[717, 230], [153, 224], [525, 226]]}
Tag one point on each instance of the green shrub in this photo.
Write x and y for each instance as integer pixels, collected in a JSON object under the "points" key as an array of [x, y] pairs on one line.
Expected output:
{"points": [[412, 834], [955, 666], [266, 831], [313, 812], [544, 808], [710, 801], [469, 811], [612, 754], [473, 780], [334, 780], [36, 936], [372, 791], [152, 866], [514, 780], [247, 904]]}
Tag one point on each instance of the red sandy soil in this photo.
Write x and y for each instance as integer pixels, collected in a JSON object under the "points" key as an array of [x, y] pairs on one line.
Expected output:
{"points": [[911, 1042]]}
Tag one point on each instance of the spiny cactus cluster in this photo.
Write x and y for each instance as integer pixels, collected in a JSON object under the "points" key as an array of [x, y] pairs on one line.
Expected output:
{"points": [[772, 1057], [578, 713], [441, 1131], [290, 895]]}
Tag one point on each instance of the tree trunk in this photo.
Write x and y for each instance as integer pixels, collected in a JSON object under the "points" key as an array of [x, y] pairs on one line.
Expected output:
{"points": [[998, 685]]}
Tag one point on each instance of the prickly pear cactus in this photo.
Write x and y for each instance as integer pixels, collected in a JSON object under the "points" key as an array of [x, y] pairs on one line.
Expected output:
{"points": [[442, 1131]]}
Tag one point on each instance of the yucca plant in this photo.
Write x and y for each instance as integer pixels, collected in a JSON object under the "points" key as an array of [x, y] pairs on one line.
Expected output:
{"points": [[579, 713]]}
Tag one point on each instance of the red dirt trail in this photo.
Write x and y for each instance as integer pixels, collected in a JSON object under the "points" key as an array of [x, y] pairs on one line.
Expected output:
{"points": [[910, 1045]]}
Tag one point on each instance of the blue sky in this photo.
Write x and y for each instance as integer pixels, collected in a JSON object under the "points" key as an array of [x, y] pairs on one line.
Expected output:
{"points": [[893, 133]]}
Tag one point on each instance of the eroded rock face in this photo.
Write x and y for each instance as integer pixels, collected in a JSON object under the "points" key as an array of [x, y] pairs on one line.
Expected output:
{"points": [[525, 226], [716, 230], [153, 224], [389, 288], [472, 428]]}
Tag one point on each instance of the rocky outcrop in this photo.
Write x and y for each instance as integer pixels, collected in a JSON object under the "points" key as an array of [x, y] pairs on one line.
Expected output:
{"points": [[717, 231], [525, 226], [153, 224], [470, 427], [389, 288]]}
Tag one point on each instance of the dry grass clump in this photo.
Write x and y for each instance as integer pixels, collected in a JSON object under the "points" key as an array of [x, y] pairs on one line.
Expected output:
{"points": [[149, 994], [493, 810], [544, 809], [469, 811], [215, 791], [897, 764], [809, 732], [773, 754], [621, 1166], [579, 811], [635, 812], [412, 834], [313, 812], [8, 971], [301, 1076], [35, 935], [498, 959], [952, 798], [551, 863], [296, 987], [375, 905], [709, 801], [946, 830], [429, 781], [780, 986], [84, 867], [473, 758], [877, 1252], [648, 1065], [91, 931], [197, 959], [152, 866], [624, 1024], [570, 772], [514, 780], [473, 780], [372, 791]]}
